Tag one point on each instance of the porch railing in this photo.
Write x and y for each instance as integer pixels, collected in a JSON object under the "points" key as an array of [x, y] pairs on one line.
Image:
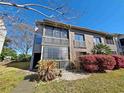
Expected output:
{"points": [[55, 41]]}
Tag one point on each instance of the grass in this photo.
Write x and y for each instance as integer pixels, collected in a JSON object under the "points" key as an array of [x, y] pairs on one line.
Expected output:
{"points": [[11, 76], [112, 82]]}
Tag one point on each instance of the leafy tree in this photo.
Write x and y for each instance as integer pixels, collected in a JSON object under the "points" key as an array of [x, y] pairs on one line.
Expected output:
{"points": [[24, 58], [101, 49], [8, 52]]}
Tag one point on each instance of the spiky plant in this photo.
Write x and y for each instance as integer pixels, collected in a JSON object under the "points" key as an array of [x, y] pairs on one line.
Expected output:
{"points": [[46, 70], [101, 49]]}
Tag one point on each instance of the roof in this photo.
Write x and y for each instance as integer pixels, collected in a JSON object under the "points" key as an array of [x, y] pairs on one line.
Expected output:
{"points": [[67, 26]]}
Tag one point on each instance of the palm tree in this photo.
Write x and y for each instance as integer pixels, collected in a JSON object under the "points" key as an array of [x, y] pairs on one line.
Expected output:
{"points": [[101, 49]]}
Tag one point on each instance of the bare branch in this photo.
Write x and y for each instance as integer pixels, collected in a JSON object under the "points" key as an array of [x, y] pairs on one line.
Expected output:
{"points": [[27, 7], [48, 8]]}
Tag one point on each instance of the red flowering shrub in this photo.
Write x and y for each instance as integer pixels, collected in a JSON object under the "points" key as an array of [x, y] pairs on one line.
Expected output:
{"points": [[89, 63], [88, 59], [91, 67], [119, 61], [94, 63], [105, 62]]}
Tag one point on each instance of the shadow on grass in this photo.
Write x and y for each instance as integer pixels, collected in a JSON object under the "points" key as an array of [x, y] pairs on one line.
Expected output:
{"points": [[19, 65], [32, 78]]}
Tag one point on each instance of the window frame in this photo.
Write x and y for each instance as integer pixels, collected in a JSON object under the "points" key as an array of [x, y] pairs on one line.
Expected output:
{"points": [[83, 39], [57, 52], [60, 30], [110, 41], [121, 40], [95, 39], [78, 42]]}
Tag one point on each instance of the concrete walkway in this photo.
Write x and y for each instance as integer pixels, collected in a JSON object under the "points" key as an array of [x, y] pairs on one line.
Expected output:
{"points": [[25, 86], [66, 75]]}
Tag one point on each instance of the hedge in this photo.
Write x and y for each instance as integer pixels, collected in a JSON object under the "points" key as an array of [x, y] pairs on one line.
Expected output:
{"points": [[97, 63], [119, 61]]}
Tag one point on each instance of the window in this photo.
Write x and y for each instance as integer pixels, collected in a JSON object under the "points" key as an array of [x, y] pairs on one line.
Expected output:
{"points": [[79, 38], [109, 41], [57, 53], [79, 41], [97, 40], [55, 32], [49, 31], [38, 39], [83, 53], [122, 42], [64, 33]]}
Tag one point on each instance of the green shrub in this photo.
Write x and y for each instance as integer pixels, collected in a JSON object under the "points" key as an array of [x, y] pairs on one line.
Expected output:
{"points": [[8, 52], [24, 58], [101, 49]]}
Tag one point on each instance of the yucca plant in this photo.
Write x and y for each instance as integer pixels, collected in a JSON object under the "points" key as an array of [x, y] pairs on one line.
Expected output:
{"points": [[101, 49], [46, 70]]}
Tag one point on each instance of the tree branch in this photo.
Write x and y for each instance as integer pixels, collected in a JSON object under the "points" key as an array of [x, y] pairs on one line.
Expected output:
{"points": [[27, 7], [46, 7]]}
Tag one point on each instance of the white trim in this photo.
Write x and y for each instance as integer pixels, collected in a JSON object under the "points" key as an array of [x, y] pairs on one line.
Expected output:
{"points": [[43, 33]]}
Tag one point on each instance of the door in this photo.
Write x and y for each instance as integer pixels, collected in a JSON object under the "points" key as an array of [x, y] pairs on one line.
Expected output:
{"points": [[37, 57]]}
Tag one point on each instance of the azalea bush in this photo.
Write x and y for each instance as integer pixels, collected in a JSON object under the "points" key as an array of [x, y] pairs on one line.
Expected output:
{"points": [[89, 63], [91, 67], [105, 62], [119, 61], [97, 63]]}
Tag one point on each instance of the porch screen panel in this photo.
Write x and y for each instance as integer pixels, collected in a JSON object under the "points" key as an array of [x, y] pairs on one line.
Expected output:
{"points": [[56, 53]]}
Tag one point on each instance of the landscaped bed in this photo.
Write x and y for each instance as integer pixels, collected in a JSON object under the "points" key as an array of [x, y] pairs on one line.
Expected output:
{"points": [[112, 82]]}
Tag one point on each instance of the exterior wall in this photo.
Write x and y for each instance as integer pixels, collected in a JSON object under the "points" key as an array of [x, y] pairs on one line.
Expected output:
{"points": [[89, 42], [119, 47], [2, 34], [114, 47]]}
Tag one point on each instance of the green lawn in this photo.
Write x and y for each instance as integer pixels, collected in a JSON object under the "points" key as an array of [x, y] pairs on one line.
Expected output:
{"points": [[11, 76], [112, 82]]}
